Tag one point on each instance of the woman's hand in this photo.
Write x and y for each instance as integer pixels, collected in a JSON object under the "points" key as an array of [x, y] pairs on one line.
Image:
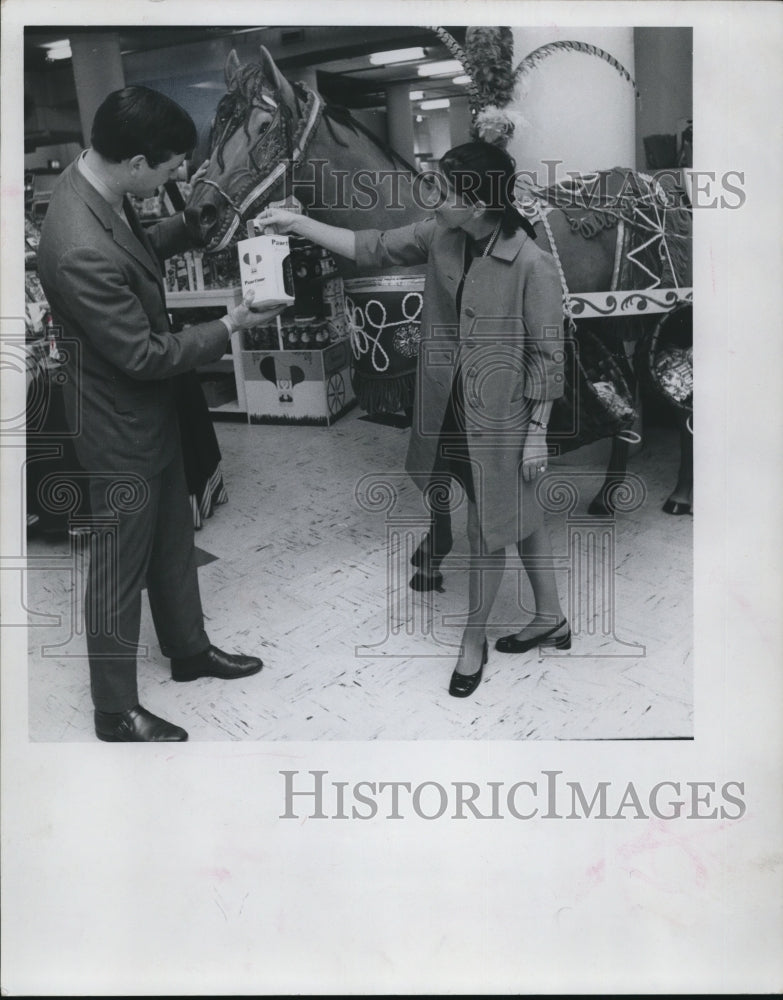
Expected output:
{"points": [[534, 454], [281, 220], [242, 317], [278, 220]]}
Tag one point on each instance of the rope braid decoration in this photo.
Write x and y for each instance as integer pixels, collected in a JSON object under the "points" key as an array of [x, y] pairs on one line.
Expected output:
{"points": [[537, 55]]}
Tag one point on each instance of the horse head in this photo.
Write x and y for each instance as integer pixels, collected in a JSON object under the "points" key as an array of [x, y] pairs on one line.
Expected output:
{"points": [[253, 144], [267, 142]]}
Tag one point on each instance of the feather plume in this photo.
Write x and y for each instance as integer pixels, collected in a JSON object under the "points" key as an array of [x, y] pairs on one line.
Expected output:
{"points": [[489, 53], [457, 52], [496, 125]]}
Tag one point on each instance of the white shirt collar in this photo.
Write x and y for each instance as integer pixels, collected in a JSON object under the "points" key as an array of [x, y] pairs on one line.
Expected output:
{"points": [[114, 200]]}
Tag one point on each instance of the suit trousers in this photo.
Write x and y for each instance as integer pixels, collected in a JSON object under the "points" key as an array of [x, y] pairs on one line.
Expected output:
{"points": [[142, 534]]}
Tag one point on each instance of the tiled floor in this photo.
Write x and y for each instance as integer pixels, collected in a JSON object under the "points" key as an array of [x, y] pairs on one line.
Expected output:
{"points": [[312, 571]]}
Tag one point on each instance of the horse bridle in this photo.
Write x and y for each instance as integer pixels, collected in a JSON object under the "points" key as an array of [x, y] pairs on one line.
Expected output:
{"points": [[312, 113]]}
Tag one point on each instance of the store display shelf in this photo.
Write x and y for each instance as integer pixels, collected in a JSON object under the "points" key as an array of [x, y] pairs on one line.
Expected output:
{"points": [[228, 362], [229, 411]]}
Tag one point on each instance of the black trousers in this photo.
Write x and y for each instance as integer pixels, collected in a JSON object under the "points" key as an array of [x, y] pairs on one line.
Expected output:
{"points": [[140, 536]]}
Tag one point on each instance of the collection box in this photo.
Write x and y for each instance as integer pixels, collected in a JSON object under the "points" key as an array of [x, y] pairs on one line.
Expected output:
{"points": [[298, 387], [265, 271]]}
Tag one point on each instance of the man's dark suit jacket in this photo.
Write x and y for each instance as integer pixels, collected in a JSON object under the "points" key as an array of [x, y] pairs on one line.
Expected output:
{"points": [[104, 284]]}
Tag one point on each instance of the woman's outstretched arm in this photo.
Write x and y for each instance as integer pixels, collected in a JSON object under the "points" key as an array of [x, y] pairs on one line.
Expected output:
{"points": [[280, 220]]}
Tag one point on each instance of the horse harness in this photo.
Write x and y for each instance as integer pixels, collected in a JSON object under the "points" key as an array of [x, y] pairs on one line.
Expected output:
{"points": [[295, 152]]}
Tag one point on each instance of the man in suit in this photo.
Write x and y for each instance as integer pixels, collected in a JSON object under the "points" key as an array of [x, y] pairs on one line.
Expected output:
{"points": [[102, 275]]}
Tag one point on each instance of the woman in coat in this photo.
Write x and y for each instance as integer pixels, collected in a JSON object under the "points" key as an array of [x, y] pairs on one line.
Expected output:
{"points": [[490, 365]]}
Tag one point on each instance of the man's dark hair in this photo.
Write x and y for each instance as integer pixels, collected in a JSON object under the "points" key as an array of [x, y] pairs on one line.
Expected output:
{"points": [[138, 120]]}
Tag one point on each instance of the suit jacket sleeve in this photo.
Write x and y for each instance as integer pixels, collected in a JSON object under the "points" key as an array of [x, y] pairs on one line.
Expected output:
{"points": [[401, 247], [111, 317], [543, 315], [170, 236]]}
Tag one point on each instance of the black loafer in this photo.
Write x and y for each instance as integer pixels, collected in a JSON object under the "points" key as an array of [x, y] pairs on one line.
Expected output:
{"points": [[136, 725], [213, 662], [463, 685], [510, 643]]}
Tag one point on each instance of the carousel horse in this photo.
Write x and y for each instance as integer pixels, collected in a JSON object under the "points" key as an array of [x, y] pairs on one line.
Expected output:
{"points": [[272, 138]]}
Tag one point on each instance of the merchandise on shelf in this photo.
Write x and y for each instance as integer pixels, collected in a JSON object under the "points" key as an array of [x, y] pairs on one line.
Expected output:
{"points": [[32, 237], [36, 308]]}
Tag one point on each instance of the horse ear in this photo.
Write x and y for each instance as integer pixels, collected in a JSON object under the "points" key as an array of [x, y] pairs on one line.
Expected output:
{"points": [[231, 68], [275, 77]]}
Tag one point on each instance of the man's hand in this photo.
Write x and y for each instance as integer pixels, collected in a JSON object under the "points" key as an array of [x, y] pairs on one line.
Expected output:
{"points": [[242, 317], [200, 172]]}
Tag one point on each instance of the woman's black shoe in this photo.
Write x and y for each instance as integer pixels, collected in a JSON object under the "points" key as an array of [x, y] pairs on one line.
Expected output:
{"points": [[427, 563], [424, 581], [510, 643], [463, 685], [424, 557]]}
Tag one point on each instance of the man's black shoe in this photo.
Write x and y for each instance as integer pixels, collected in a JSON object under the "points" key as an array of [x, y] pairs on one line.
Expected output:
{"points": [[136, 725], [213, 662]]}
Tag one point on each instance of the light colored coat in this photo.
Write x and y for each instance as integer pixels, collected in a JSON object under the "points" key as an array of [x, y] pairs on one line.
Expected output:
{"points": [[507, 343]]}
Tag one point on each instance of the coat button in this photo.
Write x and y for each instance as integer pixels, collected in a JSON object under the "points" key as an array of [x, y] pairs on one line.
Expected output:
{"points": [[469, 312]]}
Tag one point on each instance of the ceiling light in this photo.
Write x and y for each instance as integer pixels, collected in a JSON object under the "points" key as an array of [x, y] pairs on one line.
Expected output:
{"points": [[443, 68], [441, 102], [419, 118], [396, 56], [416, 95], [461, 81], [60, 49]]}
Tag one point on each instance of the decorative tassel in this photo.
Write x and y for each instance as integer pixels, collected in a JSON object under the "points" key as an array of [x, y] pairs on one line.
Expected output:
{"points": [[388, 394]]}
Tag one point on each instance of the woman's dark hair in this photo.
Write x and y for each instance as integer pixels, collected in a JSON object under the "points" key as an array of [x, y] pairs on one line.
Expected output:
{"points": [[483, 172], [139, 120]]}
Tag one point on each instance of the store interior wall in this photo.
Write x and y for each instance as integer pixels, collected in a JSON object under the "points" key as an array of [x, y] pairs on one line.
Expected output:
{"points": [[664, 76]]}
